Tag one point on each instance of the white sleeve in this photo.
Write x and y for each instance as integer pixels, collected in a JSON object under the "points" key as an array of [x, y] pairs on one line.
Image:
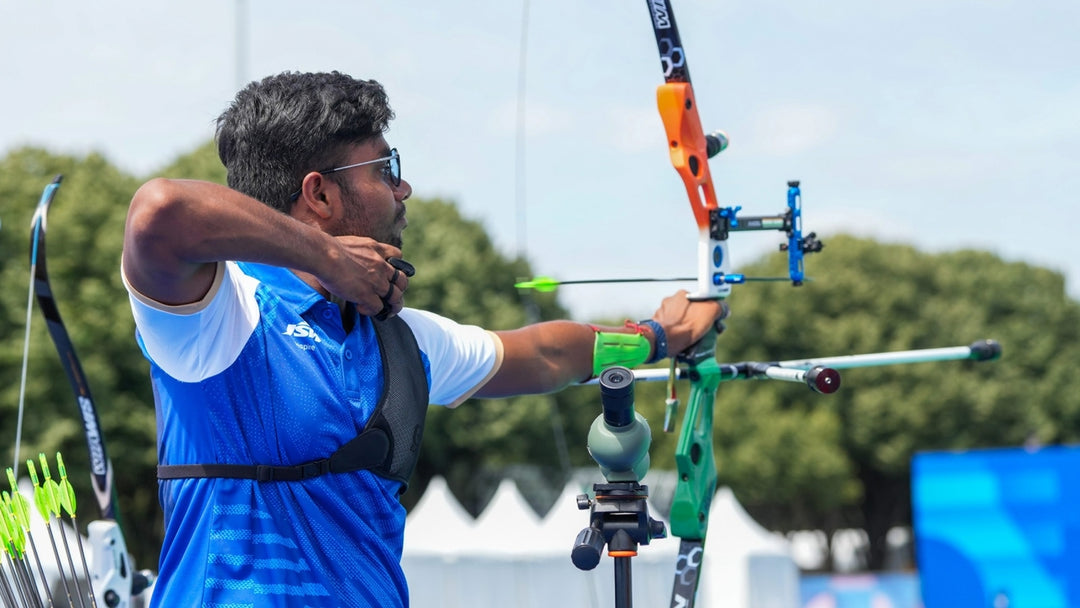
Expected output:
{"points": [[195, 341], [463, 357]]}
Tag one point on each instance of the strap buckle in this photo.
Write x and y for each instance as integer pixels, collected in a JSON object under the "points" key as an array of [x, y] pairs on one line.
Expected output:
{"points": [[315, 468]]}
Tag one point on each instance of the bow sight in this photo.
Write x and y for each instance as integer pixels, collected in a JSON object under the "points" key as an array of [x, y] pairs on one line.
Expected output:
{"points": [[725, 220]]}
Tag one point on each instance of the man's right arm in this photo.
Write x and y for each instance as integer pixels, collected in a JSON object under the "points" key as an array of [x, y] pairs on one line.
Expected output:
{"points": [[178, 230]]}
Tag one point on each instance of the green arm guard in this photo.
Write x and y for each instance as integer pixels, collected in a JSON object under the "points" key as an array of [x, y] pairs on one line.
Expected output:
{"points": [[628, 350]]}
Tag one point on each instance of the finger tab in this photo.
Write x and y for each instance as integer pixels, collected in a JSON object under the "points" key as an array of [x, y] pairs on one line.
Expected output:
{"points": [[402, 265]]}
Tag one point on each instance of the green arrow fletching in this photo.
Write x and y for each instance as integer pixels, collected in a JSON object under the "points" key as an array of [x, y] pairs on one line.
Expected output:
{"points": [[41, 495], [541, 284], [5, 536], [20, 505], [21, 508], [11, 524], [52, 489], [67, 497], [67, 493], [41, 501], [6, 518], [53, 492]]}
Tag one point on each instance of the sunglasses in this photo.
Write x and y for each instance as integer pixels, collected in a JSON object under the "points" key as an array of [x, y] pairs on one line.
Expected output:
{"points": [[391, 170]]}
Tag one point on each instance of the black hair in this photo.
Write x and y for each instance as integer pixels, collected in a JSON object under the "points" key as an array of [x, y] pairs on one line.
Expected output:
{"points": [[282, 127]]}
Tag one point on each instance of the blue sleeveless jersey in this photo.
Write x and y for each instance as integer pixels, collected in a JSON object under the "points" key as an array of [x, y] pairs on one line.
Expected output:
{"points": [[299, 388]]}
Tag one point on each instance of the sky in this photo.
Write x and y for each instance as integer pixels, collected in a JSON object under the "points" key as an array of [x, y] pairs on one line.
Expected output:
{"points": [[944, 124]]}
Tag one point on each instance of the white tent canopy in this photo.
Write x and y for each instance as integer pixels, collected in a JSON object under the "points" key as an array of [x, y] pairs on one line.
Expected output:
{"points": [[438, 524], [563, 522], [508, 525], [508, 556], [745, 564]]}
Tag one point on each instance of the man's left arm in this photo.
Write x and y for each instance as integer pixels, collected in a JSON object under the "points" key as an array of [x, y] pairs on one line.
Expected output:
{"points": [[549, 356]]}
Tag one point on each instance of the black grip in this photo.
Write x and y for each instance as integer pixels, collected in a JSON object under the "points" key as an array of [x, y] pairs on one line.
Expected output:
{"points": [[587, 547], [617, 396]]}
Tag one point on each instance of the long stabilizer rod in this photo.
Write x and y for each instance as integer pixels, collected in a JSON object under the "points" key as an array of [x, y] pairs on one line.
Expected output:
{"points": [[982, 350]]}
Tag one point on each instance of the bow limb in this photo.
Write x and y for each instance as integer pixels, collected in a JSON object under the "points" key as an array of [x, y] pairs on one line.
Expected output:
{"points": [[689, 151], [687, 147], [113, 578], [37, 223], [100, 466]]}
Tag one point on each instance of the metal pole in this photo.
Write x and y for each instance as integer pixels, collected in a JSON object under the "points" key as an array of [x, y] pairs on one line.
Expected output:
{"points": [[624, 588]]}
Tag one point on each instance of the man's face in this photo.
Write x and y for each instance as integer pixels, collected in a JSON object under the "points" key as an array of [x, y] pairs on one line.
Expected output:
{"points": [[373, 206]]}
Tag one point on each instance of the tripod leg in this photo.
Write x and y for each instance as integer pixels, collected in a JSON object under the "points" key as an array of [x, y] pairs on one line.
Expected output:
{"points": [[624, 588]]}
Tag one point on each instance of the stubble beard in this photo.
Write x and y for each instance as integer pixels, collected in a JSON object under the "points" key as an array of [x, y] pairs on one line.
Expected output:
{"points": [[353, 224]]}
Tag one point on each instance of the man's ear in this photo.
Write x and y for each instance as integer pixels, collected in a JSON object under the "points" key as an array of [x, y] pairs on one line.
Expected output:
{"points": [[317, 196]]}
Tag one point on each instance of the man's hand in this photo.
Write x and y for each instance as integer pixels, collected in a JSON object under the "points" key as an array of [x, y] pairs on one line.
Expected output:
{"points": [[685, 321], [361, 272]]}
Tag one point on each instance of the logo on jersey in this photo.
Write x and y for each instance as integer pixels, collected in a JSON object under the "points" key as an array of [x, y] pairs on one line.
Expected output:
{"points": [[302, 330]]}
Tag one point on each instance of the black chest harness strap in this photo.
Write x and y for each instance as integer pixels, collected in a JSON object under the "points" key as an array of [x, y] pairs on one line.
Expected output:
{"points": [[389, 445]]}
